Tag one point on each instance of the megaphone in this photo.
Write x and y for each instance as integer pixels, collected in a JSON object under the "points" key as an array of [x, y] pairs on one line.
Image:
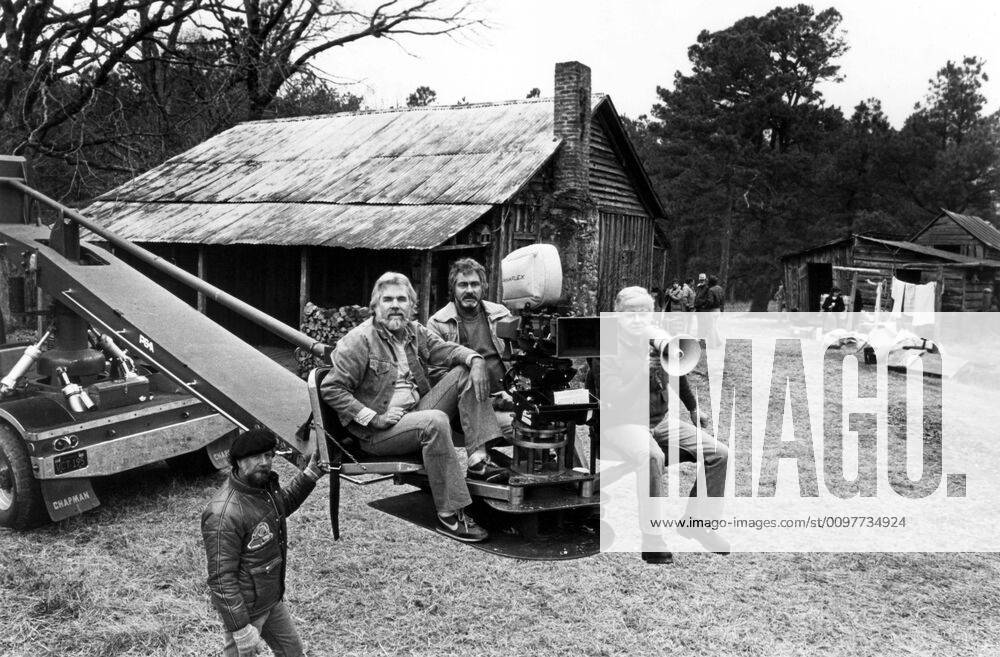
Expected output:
{"points": [[679, 354]]}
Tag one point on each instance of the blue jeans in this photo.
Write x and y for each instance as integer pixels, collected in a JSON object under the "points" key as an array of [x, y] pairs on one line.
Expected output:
{"points": [[427, 430], [634, 445], [714, 454], [278, 631]]}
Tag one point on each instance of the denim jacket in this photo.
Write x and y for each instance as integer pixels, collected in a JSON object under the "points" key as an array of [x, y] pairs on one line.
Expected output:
{"points": [[364, 366]]}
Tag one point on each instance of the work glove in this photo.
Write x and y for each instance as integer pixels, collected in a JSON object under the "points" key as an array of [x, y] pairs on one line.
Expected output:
{"points": [[247, 640], [315, 468]]}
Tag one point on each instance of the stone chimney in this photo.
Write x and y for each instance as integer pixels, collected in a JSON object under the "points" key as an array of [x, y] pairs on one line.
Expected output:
{"points": [[572, 222], [572, 124]]}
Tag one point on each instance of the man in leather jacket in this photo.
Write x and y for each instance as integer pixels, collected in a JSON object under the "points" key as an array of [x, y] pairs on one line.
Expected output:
{"points": [[246, 542]]}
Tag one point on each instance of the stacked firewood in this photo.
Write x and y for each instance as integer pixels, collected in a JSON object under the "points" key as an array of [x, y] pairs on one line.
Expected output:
{"points": [[327, 325]]}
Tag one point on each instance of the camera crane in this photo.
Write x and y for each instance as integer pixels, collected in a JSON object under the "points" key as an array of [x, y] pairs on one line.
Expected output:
{"points": [[133, 374]]}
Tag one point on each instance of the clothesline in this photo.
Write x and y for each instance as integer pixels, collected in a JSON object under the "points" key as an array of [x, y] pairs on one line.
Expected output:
{"points": [[914, 298]]}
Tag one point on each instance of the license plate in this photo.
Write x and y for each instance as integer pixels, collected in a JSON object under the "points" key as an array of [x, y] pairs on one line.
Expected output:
{"points": [[69, 462]]}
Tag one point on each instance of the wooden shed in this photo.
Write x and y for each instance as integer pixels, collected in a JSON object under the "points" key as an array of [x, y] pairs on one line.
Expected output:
{"points": [[857, 264], [287, 211], [961, 233]]}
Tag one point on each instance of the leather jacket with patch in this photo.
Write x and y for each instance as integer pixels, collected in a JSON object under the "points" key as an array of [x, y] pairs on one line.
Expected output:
{"points": [[246, 543]]}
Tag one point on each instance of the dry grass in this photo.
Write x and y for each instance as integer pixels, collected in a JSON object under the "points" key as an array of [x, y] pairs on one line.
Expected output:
{"points": [[128, 579]]}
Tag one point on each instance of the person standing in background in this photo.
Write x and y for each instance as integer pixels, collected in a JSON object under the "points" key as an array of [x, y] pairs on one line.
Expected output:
{"points": [[712, 305]]}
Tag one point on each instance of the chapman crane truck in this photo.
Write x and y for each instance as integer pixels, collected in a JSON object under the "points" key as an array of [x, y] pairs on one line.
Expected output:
{"points": [[123, 373]]}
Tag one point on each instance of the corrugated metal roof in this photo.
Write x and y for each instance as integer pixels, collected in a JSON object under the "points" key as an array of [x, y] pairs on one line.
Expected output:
{"points": [[348, 226], [826, 245], [981, 229], [355, 179], [937, 253], [913, 247]]}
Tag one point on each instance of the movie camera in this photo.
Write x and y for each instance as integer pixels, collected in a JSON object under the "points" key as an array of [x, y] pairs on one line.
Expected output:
{"points": [[542, 338]]}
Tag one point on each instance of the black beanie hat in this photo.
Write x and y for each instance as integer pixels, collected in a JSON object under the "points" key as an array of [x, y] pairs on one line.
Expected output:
{"points": [[251, 443]]}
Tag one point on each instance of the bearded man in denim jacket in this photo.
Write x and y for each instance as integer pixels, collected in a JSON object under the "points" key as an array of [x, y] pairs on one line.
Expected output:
{"points": [[381, 392]]}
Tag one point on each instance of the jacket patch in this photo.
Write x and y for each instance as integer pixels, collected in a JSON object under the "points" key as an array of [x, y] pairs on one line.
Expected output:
{"points": [[261, 535]]}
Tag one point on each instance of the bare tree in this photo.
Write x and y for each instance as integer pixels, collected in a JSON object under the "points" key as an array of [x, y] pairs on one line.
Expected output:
{"points": [[102, 89], [54, 61], [269, 42]]}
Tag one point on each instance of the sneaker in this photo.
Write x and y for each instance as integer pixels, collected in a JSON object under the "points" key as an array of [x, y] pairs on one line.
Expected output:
{"points": [[488, 471], [461, 527], [658, 557], [711, 540]]}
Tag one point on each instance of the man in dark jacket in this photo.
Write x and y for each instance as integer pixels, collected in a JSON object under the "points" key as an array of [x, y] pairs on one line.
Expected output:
{"points": [[716, 299], [246, 543], [711, 306], [834, 302], [701, 293]]}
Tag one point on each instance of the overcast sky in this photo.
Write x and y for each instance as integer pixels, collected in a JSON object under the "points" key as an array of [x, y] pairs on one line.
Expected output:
{"points": [[632, 46]]}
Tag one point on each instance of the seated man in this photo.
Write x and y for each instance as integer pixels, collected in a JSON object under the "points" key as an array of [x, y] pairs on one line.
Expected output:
{"points": [[471, 321], [619, 374], [379, 388], [834, 302]]}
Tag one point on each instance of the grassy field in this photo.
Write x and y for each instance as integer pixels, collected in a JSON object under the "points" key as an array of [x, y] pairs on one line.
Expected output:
{"points": [[129, 579]]}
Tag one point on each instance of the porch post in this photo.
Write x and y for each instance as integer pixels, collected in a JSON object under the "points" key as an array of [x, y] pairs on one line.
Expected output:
{"points": [[425, 286], [201, 275], [303, 280]]}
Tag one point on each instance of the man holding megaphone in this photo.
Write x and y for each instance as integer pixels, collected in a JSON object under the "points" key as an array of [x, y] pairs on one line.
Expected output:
{"points": [[668, 356]]}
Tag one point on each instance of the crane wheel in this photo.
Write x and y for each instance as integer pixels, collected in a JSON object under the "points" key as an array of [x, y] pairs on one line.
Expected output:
{"points": [[193, 464], [21, 503]]}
